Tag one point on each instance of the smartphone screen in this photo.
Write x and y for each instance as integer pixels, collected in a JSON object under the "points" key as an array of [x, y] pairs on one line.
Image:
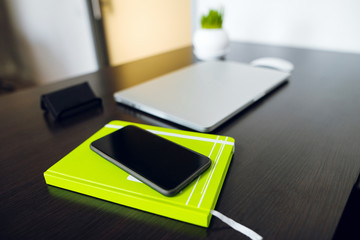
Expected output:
{"points": [[161, 164]]}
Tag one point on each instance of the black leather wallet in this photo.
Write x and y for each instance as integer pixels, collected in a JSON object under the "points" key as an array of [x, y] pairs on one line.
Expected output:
{"points": [[69, 101]]}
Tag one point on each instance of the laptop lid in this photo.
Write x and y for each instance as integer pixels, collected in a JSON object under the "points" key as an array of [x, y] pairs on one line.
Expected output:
{"points": [[204, 95]]}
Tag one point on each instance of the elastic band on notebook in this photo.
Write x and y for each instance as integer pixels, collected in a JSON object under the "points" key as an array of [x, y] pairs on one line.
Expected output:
{"points": [[237, 226]]}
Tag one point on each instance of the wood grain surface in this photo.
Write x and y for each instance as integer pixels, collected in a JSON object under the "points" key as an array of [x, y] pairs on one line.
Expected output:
{"points": [[295, 163]]}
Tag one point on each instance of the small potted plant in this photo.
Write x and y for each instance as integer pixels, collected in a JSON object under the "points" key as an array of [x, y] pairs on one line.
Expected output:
{"points": [[211, 41]]}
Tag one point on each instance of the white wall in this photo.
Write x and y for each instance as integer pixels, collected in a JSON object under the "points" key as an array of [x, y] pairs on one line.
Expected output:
{"points": [[321, 24], [54, 37]]}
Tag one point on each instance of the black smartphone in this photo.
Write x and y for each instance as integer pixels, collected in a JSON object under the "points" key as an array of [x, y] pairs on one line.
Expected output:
{"points": [[163, 165]]}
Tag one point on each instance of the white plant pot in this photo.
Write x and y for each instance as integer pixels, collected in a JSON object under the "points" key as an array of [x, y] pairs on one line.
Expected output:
{"points": [[210, 44]]}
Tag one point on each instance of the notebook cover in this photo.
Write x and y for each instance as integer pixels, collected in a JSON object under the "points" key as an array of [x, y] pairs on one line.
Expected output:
{"points": [[84, 171]]}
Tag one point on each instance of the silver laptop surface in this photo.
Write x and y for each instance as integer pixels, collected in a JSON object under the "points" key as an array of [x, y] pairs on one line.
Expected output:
{"points": [[204, 95]]}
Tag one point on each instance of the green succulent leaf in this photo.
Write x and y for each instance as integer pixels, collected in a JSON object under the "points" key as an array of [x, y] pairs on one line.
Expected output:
{"points": [[213, 20]]}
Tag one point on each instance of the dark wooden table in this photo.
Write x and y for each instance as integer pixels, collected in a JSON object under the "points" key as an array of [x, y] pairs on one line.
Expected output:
{"points": [[297, 154]]}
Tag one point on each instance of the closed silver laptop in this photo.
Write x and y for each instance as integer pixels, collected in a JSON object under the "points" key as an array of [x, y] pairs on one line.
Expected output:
{"points": [[204, 95]]}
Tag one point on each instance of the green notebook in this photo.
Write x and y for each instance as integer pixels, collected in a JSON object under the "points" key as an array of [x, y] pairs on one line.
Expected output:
{"points": [[84, 171]]}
